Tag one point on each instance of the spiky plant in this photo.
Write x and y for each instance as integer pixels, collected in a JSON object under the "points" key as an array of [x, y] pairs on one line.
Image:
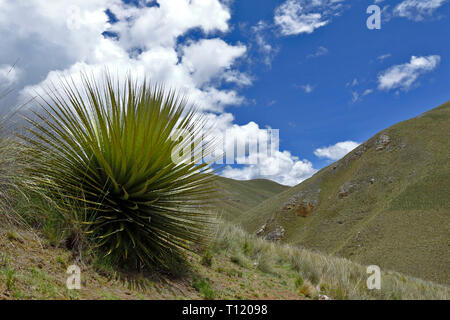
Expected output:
{"points": [[108, 146]]}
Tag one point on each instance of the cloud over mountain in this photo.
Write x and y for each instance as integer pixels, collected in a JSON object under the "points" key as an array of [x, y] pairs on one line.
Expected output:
{"points": [[403, 76]]}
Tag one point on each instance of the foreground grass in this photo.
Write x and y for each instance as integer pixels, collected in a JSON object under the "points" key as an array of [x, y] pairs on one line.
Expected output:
{"points": [[236, 266], [32, 268], [317, 274]]}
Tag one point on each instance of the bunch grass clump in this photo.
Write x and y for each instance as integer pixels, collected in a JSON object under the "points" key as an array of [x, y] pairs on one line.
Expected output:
{"points": [[315, 274], [12, 163], [106, 148]]}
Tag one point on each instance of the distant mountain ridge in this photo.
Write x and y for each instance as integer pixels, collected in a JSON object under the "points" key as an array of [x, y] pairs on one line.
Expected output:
{"points": [[237, 197], [386, 203]]}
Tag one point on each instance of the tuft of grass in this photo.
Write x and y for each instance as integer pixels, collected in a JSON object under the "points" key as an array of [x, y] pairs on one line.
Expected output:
{"points": [[233, 273], [203, 286], [298, 281], [4, 260], [12, 189], [240, 259], [308, 290], [12, 236], [10, 279], [207, 259], [336, 277], [266, 260]]}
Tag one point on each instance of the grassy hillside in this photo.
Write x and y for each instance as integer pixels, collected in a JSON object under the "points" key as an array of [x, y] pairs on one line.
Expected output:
{"points": [[385, 203], [236, 197], [32, 267]]}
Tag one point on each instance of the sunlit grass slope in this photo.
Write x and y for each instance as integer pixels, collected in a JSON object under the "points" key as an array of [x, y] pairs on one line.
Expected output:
{"points": [[387, 202], [236, 197], [238, 266]]}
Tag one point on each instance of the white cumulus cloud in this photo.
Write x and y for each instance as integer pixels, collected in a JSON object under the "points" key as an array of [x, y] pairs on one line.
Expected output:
{"points": [[163, 24], [336, 151], [321, 51], [292, 20], [57, 39], [403, 76], [282, 167], [300, 16], [307, 88], [417, 9], [206, 58], [278, 165], [266, 50]]}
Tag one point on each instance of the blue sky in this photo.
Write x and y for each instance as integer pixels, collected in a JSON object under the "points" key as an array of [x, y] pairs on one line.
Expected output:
{"points": [[311, 69]]}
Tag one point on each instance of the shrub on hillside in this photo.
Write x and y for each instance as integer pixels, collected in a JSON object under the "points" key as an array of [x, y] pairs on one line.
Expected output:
{"points": [[105, 148]]}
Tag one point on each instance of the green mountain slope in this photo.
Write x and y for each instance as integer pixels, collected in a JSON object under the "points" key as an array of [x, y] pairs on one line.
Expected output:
{"points": [[386, 203], [236, 197]]}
